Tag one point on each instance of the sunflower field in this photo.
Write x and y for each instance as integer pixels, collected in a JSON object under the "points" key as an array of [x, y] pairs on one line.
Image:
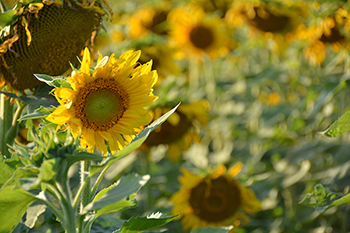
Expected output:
{"points": [[182, 116]]}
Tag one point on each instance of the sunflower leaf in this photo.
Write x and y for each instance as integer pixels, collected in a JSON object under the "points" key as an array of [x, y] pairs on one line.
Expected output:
{"points": [[142, 224], [109, 197], [7, 18], [7, 169], [322, 199], [13, 205], [211, 230], [41, 112], [54, 81], [339, 127], [138, 140]]}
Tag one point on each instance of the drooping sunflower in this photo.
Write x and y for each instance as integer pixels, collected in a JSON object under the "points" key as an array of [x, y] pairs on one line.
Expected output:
{"points": [[107, 105], [148, 20], [45, 37], [178, 132], [327, 29], [276, 21], [217, 199], [194, 32], [219, 7]]}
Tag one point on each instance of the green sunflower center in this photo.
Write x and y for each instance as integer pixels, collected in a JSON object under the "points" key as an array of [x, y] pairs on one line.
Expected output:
{"points": [[100, 104], [201, 37], [215, 200]]}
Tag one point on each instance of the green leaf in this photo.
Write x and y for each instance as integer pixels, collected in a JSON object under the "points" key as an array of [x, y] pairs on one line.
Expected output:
{"points": [[7, 18], [118, 206], [138, 140], [41, 112], [345, 200], [7, 169], [123, 188], [48, 170], [212, 230], [142, 224], [339, 127], [322, 199], [82, 156], [13, 205], [54, 81], [33, 212]]}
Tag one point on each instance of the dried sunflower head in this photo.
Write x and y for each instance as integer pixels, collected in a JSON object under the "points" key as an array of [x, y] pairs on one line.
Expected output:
{"points": [[44, 38]]}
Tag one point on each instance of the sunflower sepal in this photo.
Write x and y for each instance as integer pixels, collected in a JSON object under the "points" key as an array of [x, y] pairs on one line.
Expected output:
{"points": [[54, 81], [136, 142]]}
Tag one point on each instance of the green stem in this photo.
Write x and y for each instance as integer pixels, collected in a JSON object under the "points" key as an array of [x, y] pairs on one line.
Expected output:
{"points": [[6, 112], [85, 181], [13, 131], [193, 75], [78, 195], [2, 7], [68, 210], [210, 85]]}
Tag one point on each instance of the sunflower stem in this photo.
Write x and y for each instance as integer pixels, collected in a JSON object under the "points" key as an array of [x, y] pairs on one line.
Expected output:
{"points": [[6, 113], [84, 181], [194, 77], [3, 8], [210, 85], [13, 130]]}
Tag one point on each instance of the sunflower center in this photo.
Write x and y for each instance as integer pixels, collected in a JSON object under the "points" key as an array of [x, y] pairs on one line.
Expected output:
{"points": [[335, 36], [215, 200], [169, 133], [100, 104], [201, 37]]}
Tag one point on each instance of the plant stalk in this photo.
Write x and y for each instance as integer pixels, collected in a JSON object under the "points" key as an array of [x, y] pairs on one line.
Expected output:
{"points": [[6, 113], [84, 181]]}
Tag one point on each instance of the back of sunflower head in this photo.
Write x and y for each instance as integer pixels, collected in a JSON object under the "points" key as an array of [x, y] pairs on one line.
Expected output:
{"points": [[44, 38]]}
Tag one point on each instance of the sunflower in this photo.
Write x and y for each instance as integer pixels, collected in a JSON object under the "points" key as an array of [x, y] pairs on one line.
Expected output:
{"points": [[194, 32], [178, 132], [216, 199], [107, 105], [219, 7], [44, 37], [324, 31], [163, 59], [148, 20], [276, 21]]}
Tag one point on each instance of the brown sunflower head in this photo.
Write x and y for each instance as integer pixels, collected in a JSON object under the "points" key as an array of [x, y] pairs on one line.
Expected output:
{"points": [[202, 37], [45, 41], [215, 200], [266, 21]]}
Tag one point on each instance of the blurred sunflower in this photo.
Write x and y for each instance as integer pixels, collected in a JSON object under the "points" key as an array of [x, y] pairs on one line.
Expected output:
{"points": [[44, 37], [163, 59], [107, 105], [148, 19], [216, 199], [194, 32], [178, 131], [219, 7], [331, 28], [277, 21]]}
